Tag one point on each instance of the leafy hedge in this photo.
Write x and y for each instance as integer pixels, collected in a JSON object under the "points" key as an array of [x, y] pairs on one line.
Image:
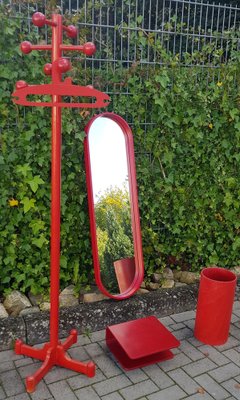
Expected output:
{"points": [[187, 163]]}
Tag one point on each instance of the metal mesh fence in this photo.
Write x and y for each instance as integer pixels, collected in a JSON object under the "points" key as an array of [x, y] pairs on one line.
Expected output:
{"points": [[123, 31]]}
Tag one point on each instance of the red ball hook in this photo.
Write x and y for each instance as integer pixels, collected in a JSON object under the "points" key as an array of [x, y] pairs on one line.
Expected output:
{"points": [[26, 47], [38, 19], [63, 64], [47, 69], [89, 48]]}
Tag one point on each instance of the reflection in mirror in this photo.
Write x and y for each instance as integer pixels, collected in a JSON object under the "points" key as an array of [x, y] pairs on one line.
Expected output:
{"points": [[112, 222]]}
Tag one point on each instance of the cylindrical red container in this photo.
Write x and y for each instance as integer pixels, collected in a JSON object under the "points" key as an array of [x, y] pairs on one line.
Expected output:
{"points": [[214, 307]]}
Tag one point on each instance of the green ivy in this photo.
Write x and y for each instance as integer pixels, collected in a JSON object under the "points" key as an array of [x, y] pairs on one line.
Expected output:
{"points": [[187, 162]]}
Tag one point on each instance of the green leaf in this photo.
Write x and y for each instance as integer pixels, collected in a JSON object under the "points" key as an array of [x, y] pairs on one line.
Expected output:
{"points": [[27, 204], [39, 242], [35, 182]]}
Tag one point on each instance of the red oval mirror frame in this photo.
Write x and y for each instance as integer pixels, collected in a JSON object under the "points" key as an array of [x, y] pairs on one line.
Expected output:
{"points": [[135, 220]]}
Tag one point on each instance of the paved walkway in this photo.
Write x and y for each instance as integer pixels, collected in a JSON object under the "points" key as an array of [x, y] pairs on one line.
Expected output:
{"points": [[197, 372]]}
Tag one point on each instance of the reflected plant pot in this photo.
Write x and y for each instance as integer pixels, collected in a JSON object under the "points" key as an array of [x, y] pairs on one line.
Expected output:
{"points": [[125, 272]]}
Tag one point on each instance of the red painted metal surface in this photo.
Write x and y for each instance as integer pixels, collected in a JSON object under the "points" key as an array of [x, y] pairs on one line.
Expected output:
{"points": [[54, 352], [214, 307], [141, 342], [65, 88], [136, 229]]}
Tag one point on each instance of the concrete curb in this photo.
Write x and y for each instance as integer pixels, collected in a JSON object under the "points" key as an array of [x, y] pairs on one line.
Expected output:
{"points": [[91, 317]]}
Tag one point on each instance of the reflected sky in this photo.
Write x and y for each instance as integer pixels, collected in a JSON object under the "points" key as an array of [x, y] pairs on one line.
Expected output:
{"points": [[107, 155]]}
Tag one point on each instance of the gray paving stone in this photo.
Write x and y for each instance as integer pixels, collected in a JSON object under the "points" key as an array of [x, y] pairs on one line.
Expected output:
{"points": [[166, 321], [199, 367], [61, 391], [190, 324], [184, 316], [136, 375], [30, 369], [12, 383], [225, 372], [199, 396], [184, 333], [213, 354], [23, 361], [159, 377], [212, 387], [190, 351], [78, 353], [41, 393], [112, 396], [23, 396], [139, 390], [107, 366], [183, 380], [177, 326], [111, 385], [234, 319], [177, 361], [6, 366], [233, 355], [171, 393], [9, 355], [82, 340], [233, 387], [234, 331], [2, 394], [236, 305], [194, 342], [103, 345], [87, 394], [58, 373], [232, 342], [80, 381], [93, 349], [98, 336]]}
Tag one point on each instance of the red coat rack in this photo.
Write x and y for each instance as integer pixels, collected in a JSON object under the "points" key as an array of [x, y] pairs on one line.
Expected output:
{"points": [[54, 352]]}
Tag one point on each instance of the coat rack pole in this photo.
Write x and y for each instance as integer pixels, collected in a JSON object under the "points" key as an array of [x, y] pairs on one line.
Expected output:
{"points": [[55, 186]]}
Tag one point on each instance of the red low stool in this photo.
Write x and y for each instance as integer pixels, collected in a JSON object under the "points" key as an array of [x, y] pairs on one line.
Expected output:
{"points": [[140, 342]]}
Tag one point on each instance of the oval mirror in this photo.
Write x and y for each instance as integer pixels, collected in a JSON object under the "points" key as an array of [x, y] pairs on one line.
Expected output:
{"points": [[113, 206]]}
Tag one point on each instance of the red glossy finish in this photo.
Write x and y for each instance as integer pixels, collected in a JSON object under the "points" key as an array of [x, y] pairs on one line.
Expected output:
{"points": [[71, 31], [47, 69], [65, 88], [63, 64], [40, 20], [53, 356], [54, 352], [26, 47], [140, 342], [214, 307], [21, 84], [137, 240], [89, 48]]}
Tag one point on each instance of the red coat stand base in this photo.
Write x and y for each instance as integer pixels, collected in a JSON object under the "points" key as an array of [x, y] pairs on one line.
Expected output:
{"points": [[214, 307], [141, 342], [53, 356]]}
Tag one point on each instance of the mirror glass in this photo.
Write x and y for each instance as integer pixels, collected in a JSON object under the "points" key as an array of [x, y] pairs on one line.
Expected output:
{"points": [[111, 199]]}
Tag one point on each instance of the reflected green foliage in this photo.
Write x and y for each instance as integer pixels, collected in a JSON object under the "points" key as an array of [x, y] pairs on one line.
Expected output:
{"points": [[114, 233]]}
